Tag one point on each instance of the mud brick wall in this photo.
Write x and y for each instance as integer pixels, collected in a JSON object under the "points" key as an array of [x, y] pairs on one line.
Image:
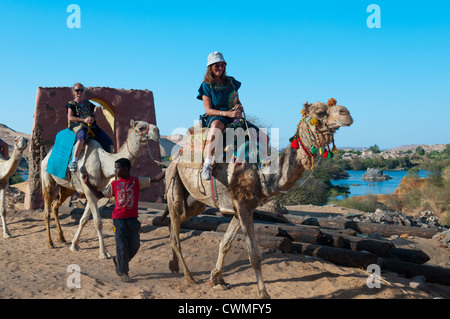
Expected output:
{"points": [[119, 107]]}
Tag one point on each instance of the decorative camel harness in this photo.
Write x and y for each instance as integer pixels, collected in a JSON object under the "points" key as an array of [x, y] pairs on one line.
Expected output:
{"points": [[313, 136]]}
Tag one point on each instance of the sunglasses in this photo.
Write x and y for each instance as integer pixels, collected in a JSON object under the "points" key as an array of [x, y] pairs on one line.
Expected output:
{"points": [[79, 90], [219, 65]]}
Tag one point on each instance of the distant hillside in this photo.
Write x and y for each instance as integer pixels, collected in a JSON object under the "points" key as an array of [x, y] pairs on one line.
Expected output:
{"points": [[8, 135], [168, 145], [426, 148], [403, 148]]}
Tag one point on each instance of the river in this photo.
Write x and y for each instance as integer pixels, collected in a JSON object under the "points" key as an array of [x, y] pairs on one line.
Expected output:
{"points": [[358, 186]]}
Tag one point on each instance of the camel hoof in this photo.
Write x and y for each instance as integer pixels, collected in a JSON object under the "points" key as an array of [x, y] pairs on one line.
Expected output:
{"points": [[190, 280], [50, 244], [263, 295], [173, 266], [222, 285], [74, 248], [8, 235], [104, 255], [61, 239]]}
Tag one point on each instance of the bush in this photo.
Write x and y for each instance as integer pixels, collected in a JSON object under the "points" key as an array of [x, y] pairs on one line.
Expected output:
{"points": [[15, 179], [367, 204], [313, 191]]}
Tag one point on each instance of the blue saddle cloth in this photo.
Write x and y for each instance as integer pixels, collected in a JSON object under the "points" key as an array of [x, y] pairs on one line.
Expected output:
{"points": [[61, 153]]}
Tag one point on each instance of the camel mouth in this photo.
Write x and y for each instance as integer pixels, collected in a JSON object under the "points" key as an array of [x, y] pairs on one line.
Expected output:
{"points": [[344, 123]]}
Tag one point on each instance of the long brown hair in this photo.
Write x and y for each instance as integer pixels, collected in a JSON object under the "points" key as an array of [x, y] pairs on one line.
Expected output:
{"points": [[210, 79]]}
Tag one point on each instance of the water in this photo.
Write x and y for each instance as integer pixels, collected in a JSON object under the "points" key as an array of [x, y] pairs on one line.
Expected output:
{"points": [[24, 176], [358, 186]]}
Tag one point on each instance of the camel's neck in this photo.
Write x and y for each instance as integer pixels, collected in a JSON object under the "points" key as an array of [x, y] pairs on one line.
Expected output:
{"points": [[294, 162], [130, 150], [9, 167]]}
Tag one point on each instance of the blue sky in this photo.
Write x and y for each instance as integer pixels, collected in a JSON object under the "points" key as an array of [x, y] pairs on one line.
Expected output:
{"points": [[394, 79]]}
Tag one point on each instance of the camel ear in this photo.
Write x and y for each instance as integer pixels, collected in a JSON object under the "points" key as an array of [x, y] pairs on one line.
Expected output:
{"points": [[132, 123], [306, 107]]}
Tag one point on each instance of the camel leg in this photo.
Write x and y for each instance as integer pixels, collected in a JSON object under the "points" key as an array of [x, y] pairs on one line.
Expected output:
{"points": [[104, 254], [92, 200], [246, 219], [3, 187], [192, 207], [48, 188], [175, 221], [63, 193], [216, 277], [83, 221], [175, 202]]}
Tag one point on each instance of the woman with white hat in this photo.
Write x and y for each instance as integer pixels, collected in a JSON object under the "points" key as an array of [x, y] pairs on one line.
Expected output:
{"points": [[219, 94]]}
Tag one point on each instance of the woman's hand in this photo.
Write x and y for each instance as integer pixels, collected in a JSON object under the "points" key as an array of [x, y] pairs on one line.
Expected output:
{"points": [[239, 107], [236, 114], [89, 120], [236, 111]]}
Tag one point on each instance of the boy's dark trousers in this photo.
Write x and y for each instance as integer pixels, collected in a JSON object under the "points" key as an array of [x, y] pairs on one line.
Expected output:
{"points": [[126, 233]]}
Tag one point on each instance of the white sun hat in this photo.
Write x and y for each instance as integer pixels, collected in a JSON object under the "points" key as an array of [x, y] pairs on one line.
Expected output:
{"points": [[215, 57]]}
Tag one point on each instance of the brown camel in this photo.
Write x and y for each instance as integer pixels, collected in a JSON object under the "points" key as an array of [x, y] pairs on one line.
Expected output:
{"points": [[239, 189], [99, 165], [7, 168]]}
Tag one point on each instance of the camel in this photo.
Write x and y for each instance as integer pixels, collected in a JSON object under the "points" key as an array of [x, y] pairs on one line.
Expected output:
{"points": [[240, 188], [99, 165], [7, 168]]}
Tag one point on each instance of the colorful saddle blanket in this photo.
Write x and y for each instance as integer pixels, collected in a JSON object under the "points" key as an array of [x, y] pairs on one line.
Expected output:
{"points": [[61, 153]]}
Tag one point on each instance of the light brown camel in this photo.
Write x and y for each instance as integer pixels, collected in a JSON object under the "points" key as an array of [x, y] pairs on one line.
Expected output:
{"points": [[7, 168], [99, 165], [242, 188]]}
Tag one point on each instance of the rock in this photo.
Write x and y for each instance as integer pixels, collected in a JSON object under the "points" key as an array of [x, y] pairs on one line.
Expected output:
{"points": [[311, 221], [374, 174], [274, 207], [446, 240], [375, 236], [418, 282]]}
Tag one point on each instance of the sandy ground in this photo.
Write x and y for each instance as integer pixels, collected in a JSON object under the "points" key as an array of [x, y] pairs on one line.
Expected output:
{"points": [[30, 270]]}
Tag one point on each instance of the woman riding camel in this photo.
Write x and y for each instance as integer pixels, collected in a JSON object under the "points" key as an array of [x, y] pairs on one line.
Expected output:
{"points": [[220, 97], [82, 121]]}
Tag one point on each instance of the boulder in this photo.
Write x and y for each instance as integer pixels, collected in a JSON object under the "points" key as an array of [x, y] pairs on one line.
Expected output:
{"points": [[374, 174]]}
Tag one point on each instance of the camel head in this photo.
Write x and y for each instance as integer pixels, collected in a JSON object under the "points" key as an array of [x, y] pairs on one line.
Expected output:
{"points": [[20, 143], [317, 110], [145, 131], [338, 116], [330, 116]]}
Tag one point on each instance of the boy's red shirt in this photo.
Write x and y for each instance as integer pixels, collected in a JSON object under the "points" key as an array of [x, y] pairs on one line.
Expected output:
{"points": [[126, 191]]}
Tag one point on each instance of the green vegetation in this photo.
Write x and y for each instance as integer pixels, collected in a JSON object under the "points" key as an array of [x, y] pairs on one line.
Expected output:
{"points": [[315, 187], [365, 204], [434, 196], [15, 179]]}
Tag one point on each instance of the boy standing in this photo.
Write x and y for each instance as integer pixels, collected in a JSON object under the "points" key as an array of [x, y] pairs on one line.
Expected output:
{"points": [[126, 190]]}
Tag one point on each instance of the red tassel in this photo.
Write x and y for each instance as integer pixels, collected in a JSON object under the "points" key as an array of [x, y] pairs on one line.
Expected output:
{"points": [[325, 154], [295, 144]]}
